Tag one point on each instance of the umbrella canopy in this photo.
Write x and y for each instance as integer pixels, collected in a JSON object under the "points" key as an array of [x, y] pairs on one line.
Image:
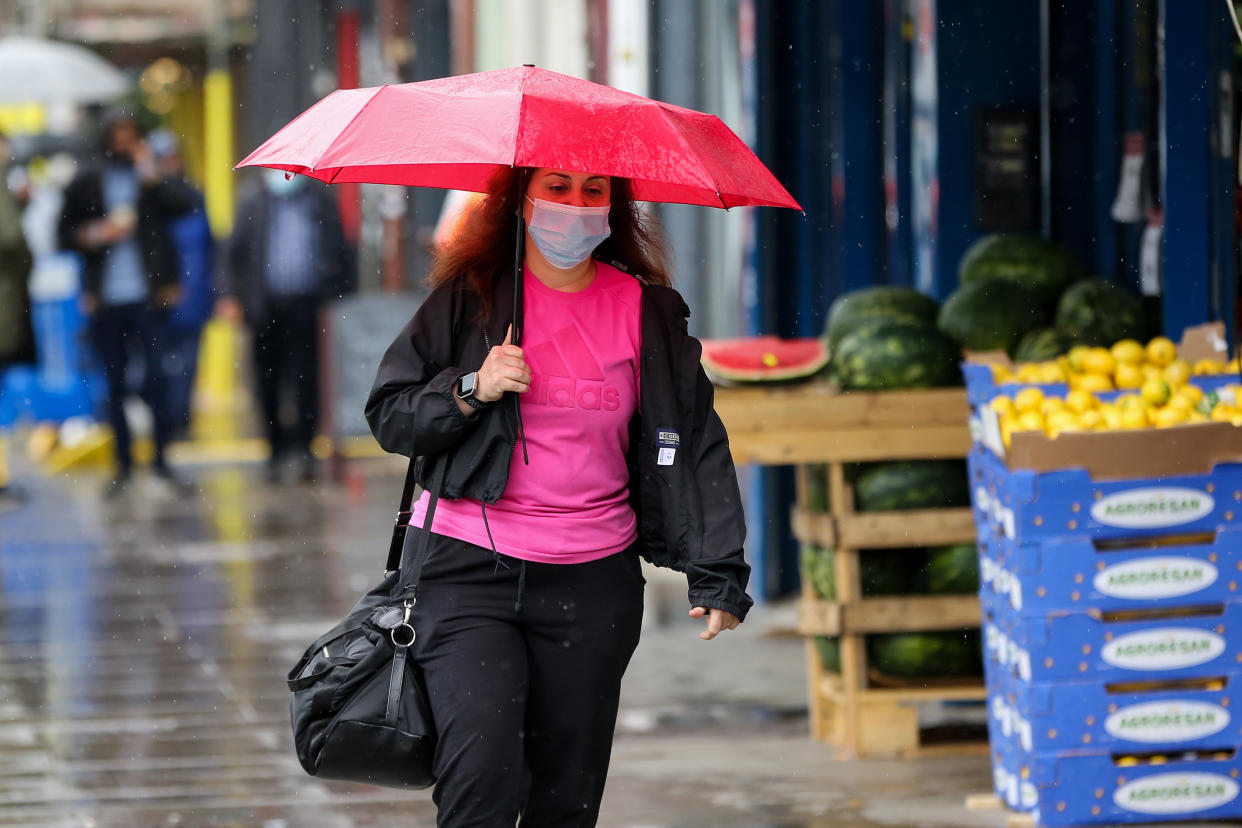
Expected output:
{"points": [[455, 132], [49, 71]]}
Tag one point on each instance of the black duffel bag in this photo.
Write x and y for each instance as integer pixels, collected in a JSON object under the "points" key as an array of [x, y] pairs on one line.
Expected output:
{"points": [[359, 706]]}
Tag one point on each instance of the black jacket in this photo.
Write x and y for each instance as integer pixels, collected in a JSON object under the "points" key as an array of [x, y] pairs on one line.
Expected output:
{"points": [[689, 512], [158, 202], [336, 274]]}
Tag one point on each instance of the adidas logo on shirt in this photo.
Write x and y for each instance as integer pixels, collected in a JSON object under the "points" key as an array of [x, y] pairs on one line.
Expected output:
{"points": [[565, 374]]}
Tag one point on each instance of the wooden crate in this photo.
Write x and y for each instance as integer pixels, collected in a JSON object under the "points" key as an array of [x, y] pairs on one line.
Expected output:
{"points": [[815, 423]]}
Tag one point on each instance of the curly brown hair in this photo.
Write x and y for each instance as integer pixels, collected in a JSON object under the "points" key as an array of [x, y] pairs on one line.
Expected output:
{"points": [[482, 247]]}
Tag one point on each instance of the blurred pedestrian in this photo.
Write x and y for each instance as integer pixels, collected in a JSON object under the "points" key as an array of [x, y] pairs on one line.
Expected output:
{"points": [[116, 215], [288, 255], [530, 602], [17, 344], [191, 237]]}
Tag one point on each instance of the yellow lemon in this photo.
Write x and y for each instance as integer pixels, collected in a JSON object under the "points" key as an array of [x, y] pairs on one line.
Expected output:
{"points": [[1231, 366], [1051, 404], [1099, 361], [1129, 401], [1079, 401], [1155, 392], [1003, 405], [1208, 367], [1001, 374], [1028, 399], [1091, 420], [1223, 413], [1134, 417], [1129, 376], [1161, 351], [1128, 352], [1030, 421], [1197, 417], [1191, 392], [1180, 403], [1050, 372], [1168, 416], [1075, 357], [1094, 383], [1152, 372], [1007, 429], [1112, 417], [1177, 373], [1028, 373]]}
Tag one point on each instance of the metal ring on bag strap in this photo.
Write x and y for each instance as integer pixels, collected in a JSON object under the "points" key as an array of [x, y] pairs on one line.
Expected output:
{"points": [[393, 635]]}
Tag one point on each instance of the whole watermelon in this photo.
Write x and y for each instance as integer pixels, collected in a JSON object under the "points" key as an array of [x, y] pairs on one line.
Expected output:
{"points": [[883, 303], [991, 316], [1041, 266], [1043, 344], [918, 655], [891, 571], [1100, 312], [952, 569], [911, 484], [829, 653], [886, 356]]}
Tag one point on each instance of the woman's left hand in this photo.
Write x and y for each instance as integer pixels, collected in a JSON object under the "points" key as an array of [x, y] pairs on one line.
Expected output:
{"points": [[717, 620]]}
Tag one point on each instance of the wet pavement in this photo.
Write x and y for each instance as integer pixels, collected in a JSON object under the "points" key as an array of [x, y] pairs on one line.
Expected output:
{"points": [[145, 640]]}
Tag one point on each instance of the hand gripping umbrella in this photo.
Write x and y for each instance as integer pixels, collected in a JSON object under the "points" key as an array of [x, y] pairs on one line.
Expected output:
{"points": [[456, 132]]}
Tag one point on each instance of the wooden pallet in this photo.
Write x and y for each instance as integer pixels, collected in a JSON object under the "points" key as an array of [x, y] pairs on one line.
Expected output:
{"points": [[849, 709]]}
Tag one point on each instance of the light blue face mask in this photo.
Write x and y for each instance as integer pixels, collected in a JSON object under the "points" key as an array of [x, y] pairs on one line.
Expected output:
{"points": [[565, 234]]}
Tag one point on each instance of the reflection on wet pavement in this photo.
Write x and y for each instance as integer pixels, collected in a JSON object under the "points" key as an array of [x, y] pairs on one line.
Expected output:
{"points": [[145, 642]]}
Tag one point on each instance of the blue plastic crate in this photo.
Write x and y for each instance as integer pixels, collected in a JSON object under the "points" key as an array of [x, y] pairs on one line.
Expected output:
{"points": [[1028, 506], [1081, 645], [1099, 788], [1070, 573], [1040, 717]]}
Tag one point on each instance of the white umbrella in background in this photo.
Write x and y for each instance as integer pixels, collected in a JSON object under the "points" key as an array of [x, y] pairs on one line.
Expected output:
{"points": [[50, 71]]}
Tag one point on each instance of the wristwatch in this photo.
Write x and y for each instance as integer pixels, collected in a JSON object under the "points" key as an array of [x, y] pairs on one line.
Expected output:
{"points": [[466, 386]]}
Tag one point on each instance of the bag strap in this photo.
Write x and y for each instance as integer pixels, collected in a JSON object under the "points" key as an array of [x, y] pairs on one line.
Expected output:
{"points": [[404, 512]]}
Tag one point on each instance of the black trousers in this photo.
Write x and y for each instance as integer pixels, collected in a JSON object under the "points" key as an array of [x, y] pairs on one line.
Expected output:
{"points": [[286, 361], [125, 335], [523, 673]]}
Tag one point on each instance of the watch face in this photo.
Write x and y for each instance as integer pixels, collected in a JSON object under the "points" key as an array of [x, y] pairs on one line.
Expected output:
{"points": [[467, 384]]}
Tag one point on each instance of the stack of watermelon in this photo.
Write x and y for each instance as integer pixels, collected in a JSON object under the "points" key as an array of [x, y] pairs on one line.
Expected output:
{"points": [[897, 486], [1032, 299]]}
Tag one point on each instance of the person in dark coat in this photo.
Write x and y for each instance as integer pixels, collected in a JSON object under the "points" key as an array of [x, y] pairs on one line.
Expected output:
{"points": [[17, 344], [116, 215], [288, 255]]}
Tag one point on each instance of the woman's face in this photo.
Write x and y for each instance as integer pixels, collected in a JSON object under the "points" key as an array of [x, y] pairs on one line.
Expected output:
{"points": [[565, 187]]}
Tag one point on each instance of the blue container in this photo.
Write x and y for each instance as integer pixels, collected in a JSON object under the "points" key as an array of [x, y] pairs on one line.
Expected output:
{"points": [[1028, 506], [1064, 646], [1075, 573], [1041, 717], [1081, 788]]}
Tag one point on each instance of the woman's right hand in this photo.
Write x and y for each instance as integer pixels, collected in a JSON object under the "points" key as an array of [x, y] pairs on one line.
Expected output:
{"points": [[505, 369]]}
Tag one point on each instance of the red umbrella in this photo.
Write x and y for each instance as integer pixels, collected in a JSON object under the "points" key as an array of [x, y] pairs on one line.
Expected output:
{"points": [[455, 132]]}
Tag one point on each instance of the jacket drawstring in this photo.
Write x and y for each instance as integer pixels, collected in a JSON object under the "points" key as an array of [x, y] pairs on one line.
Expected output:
{"points": [[517, 604], [500, 561]]}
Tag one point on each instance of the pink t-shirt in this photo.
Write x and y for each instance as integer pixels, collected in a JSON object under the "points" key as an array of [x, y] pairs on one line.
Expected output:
{"points": [[571, 504]]}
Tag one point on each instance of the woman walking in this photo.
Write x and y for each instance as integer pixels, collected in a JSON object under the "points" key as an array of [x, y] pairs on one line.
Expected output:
{"points": [[569, 455]]}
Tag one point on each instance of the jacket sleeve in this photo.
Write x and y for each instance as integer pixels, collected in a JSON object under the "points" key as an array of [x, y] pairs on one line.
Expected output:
{"points": [[412, 408], [718, 574]]}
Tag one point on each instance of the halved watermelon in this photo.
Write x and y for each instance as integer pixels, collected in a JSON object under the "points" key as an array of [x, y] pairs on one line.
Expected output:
{"points": [[763, 359]]}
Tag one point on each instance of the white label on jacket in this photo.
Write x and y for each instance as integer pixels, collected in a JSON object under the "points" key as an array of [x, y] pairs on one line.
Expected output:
{"points": [[1176, 793], [1167, 648], [1151, 578], [1153, 507], [1167, 721], [665, 457]]}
